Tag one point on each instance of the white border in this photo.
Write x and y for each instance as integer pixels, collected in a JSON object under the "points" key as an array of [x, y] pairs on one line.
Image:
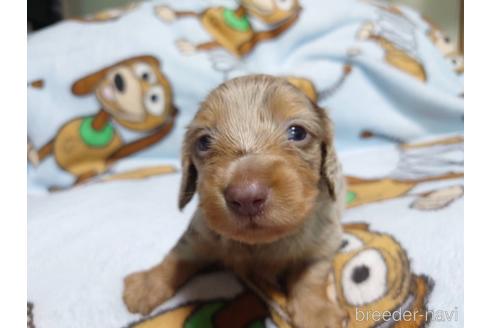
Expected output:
{"points": [[13, 248], [478, 139], [478, 177]]}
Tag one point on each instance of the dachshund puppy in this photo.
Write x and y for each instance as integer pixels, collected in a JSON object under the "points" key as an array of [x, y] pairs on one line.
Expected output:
{"points": [[260, 156]]}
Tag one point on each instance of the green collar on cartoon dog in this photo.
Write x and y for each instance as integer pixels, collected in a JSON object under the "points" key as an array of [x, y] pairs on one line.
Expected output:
{"points": [[350, 197], [237, 23], [93, 137]]}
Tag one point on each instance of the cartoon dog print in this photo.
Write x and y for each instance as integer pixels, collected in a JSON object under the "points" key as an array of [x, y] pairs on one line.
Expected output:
{"points": [[140, 173], [305, 85], [368, 191], [448, 50], [363, 191], [232, 29], [438, 199], [309, 89], [399, 49], [244, 310], [132, 93], [371, 272], [30, 315], [36, 84], [108, 15]]}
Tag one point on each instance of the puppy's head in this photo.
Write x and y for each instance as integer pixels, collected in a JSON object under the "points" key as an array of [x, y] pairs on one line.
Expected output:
{"points": [[259, 153]]}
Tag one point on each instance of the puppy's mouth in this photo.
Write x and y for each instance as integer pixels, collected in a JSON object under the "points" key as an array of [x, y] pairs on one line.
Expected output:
{"points": [[258, 229], [260, 222], [250, 222]]}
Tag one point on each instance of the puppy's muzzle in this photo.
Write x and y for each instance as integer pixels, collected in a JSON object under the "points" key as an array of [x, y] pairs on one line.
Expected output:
{"points": [[247, 198]]}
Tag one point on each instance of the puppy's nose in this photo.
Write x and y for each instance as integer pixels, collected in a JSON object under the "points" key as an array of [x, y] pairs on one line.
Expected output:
{"points": [[246, 199], [119, 82]]}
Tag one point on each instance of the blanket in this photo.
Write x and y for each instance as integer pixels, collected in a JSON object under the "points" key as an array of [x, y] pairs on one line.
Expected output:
{"points": [[124, 83], [399, 264]]}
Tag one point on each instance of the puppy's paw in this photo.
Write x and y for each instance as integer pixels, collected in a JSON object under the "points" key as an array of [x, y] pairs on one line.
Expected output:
{"points": [[165, 13], [185, 47], [314, 315], [144, 291]]}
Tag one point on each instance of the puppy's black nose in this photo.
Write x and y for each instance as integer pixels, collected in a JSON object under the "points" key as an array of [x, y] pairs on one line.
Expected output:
{"points": [[246, 199], [119, 82]]}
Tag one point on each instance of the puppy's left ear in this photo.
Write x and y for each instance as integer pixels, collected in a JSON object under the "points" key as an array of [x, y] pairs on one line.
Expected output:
{"points": [[189, 177], [330, 169]]}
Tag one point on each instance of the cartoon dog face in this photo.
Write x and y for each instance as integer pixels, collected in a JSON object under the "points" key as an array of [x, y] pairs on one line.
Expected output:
{"points": [[305, 86], [133, 91], [447, 48], [441, 41], [271, 11], [457, 61], [108, 15], [373, 276]]}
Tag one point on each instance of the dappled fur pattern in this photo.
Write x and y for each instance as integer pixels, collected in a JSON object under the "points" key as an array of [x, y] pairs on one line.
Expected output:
{"points": [[247, 119]]}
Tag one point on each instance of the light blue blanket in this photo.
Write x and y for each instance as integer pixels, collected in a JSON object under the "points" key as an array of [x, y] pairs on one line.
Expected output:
{"points": [[379, 70]]}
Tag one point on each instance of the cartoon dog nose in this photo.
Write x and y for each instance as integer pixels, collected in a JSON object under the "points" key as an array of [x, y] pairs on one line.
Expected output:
{"points": [[246, 199], [119, 82]]}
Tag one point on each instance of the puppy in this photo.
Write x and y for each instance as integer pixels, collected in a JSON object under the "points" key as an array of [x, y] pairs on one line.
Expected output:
{"points": [[260, 156]]}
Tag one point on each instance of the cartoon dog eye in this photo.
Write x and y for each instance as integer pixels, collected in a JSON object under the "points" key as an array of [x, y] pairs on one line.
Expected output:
{"points": [[285, 5], [144, 71], [154, 100], [350, 243], [364, 278]]}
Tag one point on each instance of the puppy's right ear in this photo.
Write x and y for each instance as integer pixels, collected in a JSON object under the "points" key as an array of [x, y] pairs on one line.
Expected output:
{"points": [[188, 179]]}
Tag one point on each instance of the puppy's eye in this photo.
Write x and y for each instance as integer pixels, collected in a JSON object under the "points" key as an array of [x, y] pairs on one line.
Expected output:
{"points": [[203, 144], [296, 133]]}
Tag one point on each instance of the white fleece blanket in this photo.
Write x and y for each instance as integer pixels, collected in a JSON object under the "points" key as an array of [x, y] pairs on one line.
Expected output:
{"points": [[82, 242]]}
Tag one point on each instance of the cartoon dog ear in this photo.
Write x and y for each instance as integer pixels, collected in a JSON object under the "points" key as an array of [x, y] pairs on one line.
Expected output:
{"points": [[330, 169], [356, 226], [149, 59], [88, 84], [188, 179]]}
